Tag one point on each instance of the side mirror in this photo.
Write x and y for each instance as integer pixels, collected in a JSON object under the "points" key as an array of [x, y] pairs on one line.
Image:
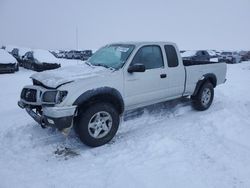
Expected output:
{"points": [[136, 68]]}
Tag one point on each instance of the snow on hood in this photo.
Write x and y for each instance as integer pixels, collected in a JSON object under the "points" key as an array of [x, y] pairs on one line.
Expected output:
{"points": [[44, 56], [6, 58], [55, 78], [188, 53]]}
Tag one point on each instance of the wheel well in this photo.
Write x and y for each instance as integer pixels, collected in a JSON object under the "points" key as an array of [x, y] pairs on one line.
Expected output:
{"points": [[108, 98], [212, 80], [209, 77]]}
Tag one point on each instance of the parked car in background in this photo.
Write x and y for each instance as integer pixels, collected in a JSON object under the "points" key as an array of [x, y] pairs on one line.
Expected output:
{"points": [[86, 54], [3, 47], [245, 55], [82, 55], [212, 53], [218, 53], [230, 57], [40, 60], [60, 54], [15, 53], [21, 53], [7, 62], [199, 55], [73, 54]]}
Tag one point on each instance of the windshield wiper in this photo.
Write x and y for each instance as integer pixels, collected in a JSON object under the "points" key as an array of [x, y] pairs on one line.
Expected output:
{"points": [[106, 66], [88, 63], [99, 64]]}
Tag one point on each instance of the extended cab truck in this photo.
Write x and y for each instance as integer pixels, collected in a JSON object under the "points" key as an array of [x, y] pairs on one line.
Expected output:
{"points": [[118, 77]]}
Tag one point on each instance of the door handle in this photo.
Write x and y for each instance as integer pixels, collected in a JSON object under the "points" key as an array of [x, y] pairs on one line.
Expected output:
{"points": [[163, 75]]}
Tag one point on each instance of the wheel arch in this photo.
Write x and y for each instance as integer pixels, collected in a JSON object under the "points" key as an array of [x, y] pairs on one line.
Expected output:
{"points": [[103, 94], [207, 77]]}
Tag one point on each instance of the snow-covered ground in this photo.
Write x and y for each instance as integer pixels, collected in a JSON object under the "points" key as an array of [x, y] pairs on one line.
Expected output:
{"points": [[165, 145]]}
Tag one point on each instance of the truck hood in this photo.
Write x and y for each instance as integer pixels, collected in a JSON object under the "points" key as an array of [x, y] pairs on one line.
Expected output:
{"points": [[58, 77]]}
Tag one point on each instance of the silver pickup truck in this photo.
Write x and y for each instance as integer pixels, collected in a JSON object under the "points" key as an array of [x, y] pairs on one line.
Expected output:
{"points": [[118, 77]]}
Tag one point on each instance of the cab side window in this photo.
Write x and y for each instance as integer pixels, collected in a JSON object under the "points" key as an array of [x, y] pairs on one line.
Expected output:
{"points": [[205, 53], [150, 56], [199, 53], [171, 56]]}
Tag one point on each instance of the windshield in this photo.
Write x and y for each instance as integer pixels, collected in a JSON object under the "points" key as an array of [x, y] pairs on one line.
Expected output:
{"points": [[112, 56]]}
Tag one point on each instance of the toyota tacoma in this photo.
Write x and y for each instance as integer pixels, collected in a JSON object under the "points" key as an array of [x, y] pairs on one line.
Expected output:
{"points": [[123, 76]]}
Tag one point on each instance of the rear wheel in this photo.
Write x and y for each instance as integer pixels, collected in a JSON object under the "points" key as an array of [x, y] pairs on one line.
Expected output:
{"points": [[98, 124], [204, 97]]}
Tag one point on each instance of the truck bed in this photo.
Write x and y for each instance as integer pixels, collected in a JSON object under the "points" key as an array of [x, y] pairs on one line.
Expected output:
{"points": [[196, 69], [191, 62]]}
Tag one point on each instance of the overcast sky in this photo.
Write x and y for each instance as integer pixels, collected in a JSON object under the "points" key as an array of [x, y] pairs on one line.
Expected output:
{"points": [[192, 24]]}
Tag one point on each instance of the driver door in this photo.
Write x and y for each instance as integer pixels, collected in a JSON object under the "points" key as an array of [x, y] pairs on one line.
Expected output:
{"points": [[142, 88]]}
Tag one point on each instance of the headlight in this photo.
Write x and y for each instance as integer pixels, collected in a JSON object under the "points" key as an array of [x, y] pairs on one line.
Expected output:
{"points": [[60, 96], [54, 97]]}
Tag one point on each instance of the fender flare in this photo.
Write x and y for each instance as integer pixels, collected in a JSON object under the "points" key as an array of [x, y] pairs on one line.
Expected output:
{"points": [[206, 77], [107, 94]]}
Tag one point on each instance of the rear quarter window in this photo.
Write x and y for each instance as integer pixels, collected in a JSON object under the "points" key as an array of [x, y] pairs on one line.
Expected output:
{"points": [[172, 57]]}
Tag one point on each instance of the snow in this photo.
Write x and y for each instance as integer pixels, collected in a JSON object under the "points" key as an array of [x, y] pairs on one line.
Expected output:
{"points": [[189, 53], [9, 48], [54, 78], [44, 56], [6, 58], [211, 52], [215, 59], [164, 145], [23, 51]]}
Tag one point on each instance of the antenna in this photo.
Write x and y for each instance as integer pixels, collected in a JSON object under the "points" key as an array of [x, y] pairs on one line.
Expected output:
{"points": [[77, 42], [76, 37]]}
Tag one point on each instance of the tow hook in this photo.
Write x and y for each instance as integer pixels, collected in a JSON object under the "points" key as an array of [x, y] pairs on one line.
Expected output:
{"points": [[39, 119], [42, 123]]}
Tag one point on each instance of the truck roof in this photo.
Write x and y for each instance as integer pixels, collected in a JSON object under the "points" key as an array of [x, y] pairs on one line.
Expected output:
{"points": [[139, 43]]}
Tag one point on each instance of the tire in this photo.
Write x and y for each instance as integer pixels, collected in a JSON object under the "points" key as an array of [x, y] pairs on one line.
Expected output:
{"points": [[17, 68], [204, 98], [88, 123]]}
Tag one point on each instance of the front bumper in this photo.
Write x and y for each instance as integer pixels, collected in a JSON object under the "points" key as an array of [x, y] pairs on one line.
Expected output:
{"points": [[226, 60], [57, 117]]}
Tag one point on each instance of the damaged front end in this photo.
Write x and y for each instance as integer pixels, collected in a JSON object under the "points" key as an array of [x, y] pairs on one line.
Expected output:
{"points": [[41, 104]]}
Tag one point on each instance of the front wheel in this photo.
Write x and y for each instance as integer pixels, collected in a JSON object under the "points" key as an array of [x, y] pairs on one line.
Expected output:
{"points": [[98, 124], [204, 98]]}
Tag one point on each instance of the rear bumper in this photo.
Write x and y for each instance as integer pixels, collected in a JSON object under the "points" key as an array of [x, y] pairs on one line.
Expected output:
{"points": [[8, 68], [57, 117], [45, 66]]}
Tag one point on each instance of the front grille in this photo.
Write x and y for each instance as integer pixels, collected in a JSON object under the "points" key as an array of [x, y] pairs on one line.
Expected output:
{"points": [[29, 95]]}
